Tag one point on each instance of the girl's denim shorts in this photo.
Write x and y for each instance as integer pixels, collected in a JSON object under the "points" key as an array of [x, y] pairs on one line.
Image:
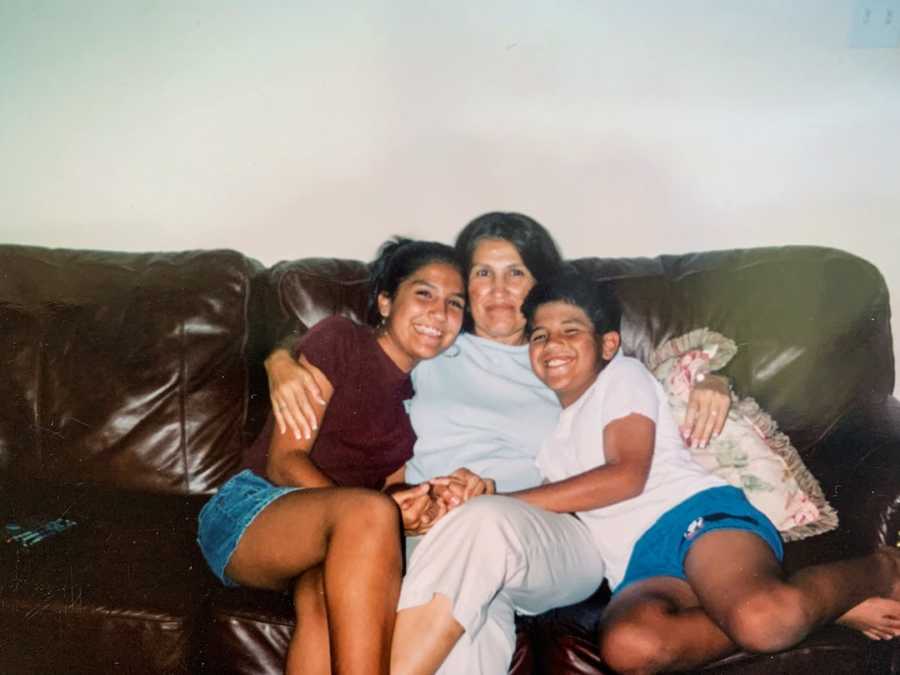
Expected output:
{"points": [[228, 514]]}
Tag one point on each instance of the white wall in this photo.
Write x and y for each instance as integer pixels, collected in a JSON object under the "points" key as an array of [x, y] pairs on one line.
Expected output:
{"points": [[289, 129]]}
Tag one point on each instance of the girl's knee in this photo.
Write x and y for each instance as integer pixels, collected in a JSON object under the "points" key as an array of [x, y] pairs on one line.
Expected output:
{"points": [[373, 509], [362, 515]]}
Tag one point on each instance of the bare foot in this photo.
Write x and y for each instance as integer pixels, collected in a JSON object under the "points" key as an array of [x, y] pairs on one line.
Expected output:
{"points": [[876, 618]]}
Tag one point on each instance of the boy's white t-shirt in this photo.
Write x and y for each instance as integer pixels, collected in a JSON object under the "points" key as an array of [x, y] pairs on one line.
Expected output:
{"points": [[623, 387]]}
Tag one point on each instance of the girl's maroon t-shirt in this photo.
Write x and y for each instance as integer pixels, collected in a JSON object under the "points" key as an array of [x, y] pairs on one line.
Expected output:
{"points": [[365, 435]]}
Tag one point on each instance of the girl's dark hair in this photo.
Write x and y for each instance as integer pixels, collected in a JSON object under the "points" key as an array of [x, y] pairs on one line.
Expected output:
{"points": [[598, 300], [531, 239], [398, 259]]}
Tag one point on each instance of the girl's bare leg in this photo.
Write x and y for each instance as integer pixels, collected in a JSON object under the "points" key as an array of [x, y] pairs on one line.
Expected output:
{"points": [[309, 651], [746, 603], [362, 587], [355, 535]]}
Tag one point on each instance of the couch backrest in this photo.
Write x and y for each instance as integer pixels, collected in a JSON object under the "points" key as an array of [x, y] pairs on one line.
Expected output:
{"points": [[291, 297], [812, 324], [144, 371], [121, 369], [299, 293]]}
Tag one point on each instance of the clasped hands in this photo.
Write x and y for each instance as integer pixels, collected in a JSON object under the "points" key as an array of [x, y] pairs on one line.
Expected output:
{"points": [[422, 505]]}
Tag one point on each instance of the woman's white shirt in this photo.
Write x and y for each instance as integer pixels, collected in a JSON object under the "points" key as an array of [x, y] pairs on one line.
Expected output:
{"points": [[478, 405]]}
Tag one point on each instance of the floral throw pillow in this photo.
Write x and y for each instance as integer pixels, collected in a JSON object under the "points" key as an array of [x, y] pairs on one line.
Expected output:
{"points": [[750, 453]]}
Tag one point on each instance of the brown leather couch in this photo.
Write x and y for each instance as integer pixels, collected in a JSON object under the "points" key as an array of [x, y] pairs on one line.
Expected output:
{"points": [[131, 382]]}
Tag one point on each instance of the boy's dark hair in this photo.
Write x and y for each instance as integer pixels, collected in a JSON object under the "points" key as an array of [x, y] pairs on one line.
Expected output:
{"points": [[397, 260], [598, 299]]}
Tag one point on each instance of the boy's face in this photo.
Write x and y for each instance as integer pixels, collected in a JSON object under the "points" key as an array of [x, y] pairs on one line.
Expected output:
{"points": [[566, 353]]}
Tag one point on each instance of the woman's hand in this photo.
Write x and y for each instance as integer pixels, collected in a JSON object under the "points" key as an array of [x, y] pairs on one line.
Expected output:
{"points": [[293, 385], [473, 484], [418, 509], [707, 411], [460, 486]]}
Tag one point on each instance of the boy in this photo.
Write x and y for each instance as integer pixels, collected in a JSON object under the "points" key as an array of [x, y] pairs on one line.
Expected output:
{"points": [[695, 569]]}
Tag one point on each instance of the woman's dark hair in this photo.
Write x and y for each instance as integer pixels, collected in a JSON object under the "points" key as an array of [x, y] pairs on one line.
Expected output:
{"points": [[398, 259], [531, 239], [598, 300]]}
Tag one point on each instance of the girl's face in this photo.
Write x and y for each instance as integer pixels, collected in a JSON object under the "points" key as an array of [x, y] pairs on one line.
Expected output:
{"points": [[424, 316], [566, 352], [498, 283]]}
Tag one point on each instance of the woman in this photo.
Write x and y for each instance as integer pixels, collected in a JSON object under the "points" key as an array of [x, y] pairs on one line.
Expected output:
{"points": [[298, 517], [480, 406]]}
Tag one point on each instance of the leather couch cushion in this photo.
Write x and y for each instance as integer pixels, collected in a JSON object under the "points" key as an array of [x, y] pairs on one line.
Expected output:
{"points": [[117, 593], [246, 632], [123, 369]]}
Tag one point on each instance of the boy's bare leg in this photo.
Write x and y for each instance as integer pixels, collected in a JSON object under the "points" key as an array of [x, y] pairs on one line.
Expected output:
{"points": [[423, 637], [656, 625], [636, 633]]}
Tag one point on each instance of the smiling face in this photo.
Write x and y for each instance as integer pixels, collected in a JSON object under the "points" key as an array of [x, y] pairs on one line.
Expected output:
{"points": [[424, 316], [566, 352], [498, 283]]}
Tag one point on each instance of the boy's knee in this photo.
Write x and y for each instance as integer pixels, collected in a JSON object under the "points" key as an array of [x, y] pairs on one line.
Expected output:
{"points": [[633, 647], [768, 622]]}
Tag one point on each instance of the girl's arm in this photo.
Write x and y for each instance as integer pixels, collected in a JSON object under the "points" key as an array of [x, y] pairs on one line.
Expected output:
{"points": [[628, 446], [289, 462]]}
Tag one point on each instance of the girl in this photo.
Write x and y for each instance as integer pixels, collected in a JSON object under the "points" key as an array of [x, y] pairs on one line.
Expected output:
{"points": [[310, 504]]}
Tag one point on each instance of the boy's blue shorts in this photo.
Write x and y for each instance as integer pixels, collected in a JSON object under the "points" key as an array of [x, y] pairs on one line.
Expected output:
{"points": [[226, 516], [661, 550]]}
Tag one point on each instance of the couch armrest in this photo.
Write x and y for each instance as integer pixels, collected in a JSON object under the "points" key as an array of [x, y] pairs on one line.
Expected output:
{"points": [[858, 465]]}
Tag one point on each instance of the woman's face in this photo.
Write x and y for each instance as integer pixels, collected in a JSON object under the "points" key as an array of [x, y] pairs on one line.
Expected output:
{"points": [[498, 283], [424, 316]]}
